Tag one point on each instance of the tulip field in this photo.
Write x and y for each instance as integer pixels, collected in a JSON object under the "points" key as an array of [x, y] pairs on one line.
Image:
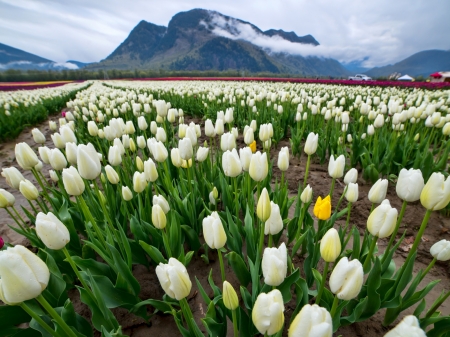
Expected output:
{"points": [[278, 208]]}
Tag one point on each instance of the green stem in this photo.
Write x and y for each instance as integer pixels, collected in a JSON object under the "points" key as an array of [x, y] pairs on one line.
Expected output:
{"points": [[334, 306], [77, 273], [235, 326], [14, 218], [371, 208], [333, 182], [19, 216], [394, 234], [300, 221], [102, 204], [261, 238], [32, 206], [419, 236], [322, 285], [306, 171], [270, 241], [222, 269], [436, 306], [42, 207], [36, 175], [428, 269], [187, 313], [38, 319], [68, 331], [349, 206], [366, 265], [166, 243], [88, 215], [236, 198]]}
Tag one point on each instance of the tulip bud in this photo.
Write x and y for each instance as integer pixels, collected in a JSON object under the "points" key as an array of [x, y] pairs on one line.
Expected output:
{"points": [[264, 132], [2, 243], [139, 182], [28, 190], [245, 155], [306, 195], [267, 314], [330, 246], [162, 202], [336, 167], [263, 208], [38, 137], [13, 177], [159, 152], [6, 199], [259, 166], [311, 321], [274, 265], [24, 275], [370, 130], [227, 142], [351, 176], [53, 176], [67, 134], [158, 217], [230, 299], [441, 250], [377, 193], [71, 153], [142, 123], [52, 125], [153, 127], [382, 220], [409, 326], [175, 157], [127, 195], [202, 153], [57, 159], [409, 185], [274, 223], [92, 128], [25, 156], [88, 162], [436, 193], [139, 164], [174, 279], [185, 148], [161, 135], [213, 231], [53, 233], [58, 140], [114, 156], [219, 128], [322, 208], [112, 175], [73, 183], [352, 192], [209, 129], [231, 163], [346, 279], [283, 159], [249, 136]]}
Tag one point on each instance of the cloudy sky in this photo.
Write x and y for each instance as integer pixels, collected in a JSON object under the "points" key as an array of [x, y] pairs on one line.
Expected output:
{"points": [[385, 31]]}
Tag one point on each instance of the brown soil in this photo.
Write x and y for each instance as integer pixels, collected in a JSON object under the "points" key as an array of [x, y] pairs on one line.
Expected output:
{"points": [[164, 325]]}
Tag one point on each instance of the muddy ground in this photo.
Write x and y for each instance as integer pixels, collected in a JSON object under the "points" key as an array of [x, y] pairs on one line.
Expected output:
{"points": [[164, 325]]}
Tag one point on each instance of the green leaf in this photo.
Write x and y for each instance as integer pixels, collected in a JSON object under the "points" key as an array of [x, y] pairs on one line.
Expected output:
{"points": [[285, 286], [75, 321], [239, 267], [192, 237], [153, 252], [249, 235], [11, 315], [202, 292], [158, 305]]}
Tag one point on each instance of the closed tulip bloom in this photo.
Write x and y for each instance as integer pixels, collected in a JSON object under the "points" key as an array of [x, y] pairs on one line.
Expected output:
{"points": [[209, 128], [227, 142], [409, 185], [175, 157], [114, 156], [13, 177], [229, 116], [436, 193], [249, 136], [53, 233], [150, 171], [119, 145], [129, 128], [378, 191], [23, 275], [71, 153], [6, 199], [139, 182], [351, 176], [112, 175], [311, 143], [186, 163], [274, 265], [346, 279], [202, 153], [441, 250], [92, 128], [219, 128], [185, 148], [191, 133], [52, 125], [283, 159], [322, 208], [264, 134], [73, 183], [127, 195], [330, 246], [125, 142], [160, 152], [161, 135], [352, 192], [263, 208], [38, 137], [158, 217], [213, 231], [174, 279], [229, 296], [336, 167], [259, 167], [245, 155], [88, 162], [211, 198], [28, 190], [409, 326], [44, 152], [53, 176], [39, 166], [58, 140], [231, 163], [133, 145], [306, 195], [57, 159], [153, 127], [139, 164], [67, 134], [141, 142], [274, 223], [382, 220], [379, 121], [311, 321], [142, 123], [267, 314], [162, 202], [25, 156], [370, 130]]}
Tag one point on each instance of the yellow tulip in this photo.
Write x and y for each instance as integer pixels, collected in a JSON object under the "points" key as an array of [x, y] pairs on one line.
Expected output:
{"points": [[322, 208], [252, 146]]}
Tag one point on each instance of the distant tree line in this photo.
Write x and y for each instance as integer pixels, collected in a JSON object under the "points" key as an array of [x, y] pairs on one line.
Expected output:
{"points": [[12, 75]]}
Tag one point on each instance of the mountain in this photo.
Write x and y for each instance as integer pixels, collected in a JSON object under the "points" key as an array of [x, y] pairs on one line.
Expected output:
{"points": [[200, 39], [13, 58], [422, 63], [356, 66], [78, 63]]}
